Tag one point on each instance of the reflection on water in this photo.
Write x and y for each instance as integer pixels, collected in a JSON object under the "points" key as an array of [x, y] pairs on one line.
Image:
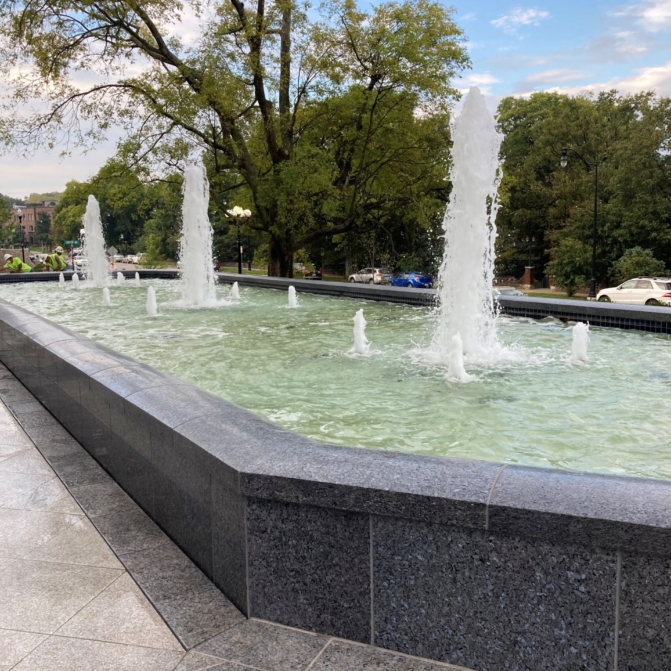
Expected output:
{"points": [[610, 414]]}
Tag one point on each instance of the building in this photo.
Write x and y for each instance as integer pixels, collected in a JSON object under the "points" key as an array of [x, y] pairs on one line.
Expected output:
{"points": [[29, 213]]}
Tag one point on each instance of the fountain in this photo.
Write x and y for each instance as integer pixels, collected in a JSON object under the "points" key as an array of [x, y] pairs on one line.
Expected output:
{"points": [[137, 279], [120, 279], [235, 292], [361, 344], [293, 301], [93, 251], [75, 281], [195, 248], [106, 297], [455, 370], [61, 279], [580, 342], [152, 308], [466, 274]]}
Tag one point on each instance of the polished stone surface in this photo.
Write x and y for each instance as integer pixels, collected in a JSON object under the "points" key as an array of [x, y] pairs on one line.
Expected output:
{"points": [[492, 602], [310, 568], [645, 614]]}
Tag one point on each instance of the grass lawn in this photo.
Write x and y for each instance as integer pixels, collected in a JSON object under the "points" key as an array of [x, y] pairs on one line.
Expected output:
{"points": [[554, 294]]}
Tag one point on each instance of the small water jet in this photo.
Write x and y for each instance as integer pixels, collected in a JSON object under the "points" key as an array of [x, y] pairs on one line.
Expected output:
{"points": [[152, 308], [137, 279], [455, 365], [61, 279], [580, 342], [93, 250], [75, 281], [120, 279], [293, 301], [361, 344], [195, 247], [106, 297], [235, 292]]}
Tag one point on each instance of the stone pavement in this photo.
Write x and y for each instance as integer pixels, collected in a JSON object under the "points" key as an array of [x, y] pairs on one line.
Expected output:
{"points": [[89, 583]]}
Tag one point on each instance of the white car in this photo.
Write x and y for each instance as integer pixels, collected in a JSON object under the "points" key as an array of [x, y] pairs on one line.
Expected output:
{"points": [[506, 291], [371, 276], [639, 291]]}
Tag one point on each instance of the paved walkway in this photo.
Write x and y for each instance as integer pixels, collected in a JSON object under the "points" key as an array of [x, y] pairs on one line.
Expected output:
{"points": [[69, 596]]}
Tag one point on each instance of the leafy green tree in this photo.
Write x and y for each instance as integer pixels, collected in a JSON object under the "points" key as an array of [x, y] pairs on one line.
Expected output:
{"points": [[43, 227], [315, 120], [637, 262], [570, 265]]}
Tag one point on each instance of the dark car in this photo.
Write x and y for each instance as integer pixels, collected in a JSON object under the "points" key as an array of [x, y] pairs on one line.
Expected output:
{"points": [[216, 264], [411, 279]]}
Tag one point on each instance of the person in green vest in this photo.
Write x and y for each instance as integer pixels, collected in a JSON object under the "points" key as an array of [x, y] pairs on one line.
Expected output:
{"points": [[55, 261], [13, 264]]}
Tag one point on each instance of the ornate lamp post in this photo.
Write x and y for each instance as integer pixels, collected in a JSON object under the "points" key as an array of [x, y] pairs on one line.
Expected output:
{"points": [[239, 215], [19, 214], [590, 164]]}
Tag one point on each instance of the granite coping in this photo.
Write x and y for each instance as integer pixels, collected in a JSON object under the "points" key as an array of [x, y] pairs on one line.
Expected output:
{"points": [[265, 461]]}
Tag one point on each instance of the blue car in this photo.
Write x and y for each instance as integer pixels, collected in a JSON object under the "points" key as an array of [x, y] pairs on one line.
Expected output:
{"points": [[411, 279]]}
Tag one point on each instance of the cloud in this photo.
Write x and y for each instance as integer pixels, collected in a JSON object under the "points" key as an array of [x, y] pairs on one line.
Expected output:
{"points": [[510, 23], [549, 77], [483, 80], [653, 15]]}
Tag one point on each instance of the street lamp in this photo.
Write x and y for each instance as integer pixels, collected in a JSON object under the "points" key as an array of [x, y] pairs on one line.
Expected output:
{"points": [[239, 215], [19, 214], [563, 161]]}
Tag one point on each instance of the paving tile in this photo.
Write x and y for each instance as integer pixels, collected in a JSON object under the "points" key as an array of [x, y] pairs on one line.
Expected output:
{"points": [[121, 614], [21, 531], [342, 656], [12, 433], [195, 661], [79, 469], [15, 645], [34, 419], [8, 451], [16, 489], [193, 607], [106, 498], [71, 654], [26, 461], [41, 596], [53, 497], [80, 544], [129, 531], [265, 646]]}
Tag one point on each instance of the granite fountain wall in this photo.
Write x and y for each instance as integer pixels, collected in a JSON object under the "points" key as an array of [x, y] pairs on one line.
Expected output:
{"points": [[478, 564]]}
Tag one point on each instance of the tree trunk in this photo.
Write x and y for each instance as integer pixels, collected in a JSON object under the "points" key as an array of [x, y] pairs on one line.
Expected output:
{"points": [[280, 259]]}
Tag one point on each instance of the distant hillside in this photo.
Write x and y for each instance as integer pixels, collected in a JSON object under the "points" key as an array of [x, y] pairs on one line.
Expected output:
{"points": [[40, 197], [9, 201]]}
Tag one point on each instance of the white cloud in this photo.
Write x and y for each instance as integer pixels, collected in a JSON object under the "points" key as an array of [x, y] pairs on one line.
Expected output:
{"points": [[510, 23], [555, 76], [654, 15], [483, 80]]}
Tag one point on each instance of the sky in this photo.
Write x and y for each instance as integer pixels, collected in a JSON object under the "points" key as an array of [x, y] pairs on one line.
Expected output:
{"points": [[516, 48]]}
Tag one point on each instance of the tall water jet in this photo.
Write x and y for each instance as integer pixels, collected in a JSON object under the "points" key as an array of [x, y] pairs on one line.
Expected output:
{"points": [[467, 271], [580, 342], [235, 292], [61, 279], [75, 280], [137, 279], [195, 248], [106, 297], [361, 344], [293, 301], [455, 364], [152, 308], [93, 250], [120, 279]]}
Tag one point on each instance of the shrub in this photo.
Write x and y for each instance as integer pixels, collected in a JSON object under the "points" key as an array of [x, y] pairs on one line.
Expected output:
{"points": [[637, 262], [570, 265]]}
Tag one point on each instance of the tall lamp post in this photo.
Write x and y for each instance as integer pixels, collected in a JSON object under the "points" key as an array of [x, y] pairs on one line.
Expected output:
{"points": [[590, 164], [239, 215], [19, 214]]}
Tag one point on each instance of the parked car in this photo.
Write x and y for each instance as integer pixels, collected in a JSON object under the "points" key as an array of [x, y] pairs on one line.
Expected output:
{"points": [[506, 291], [640, 291], [411, 279], [118, 258], [371, 276]]}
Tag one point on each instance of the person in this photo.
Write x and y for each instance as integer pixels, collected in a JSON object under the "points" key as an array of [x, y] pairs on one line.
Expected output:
{"points": [[13, 264], [55, 261]]}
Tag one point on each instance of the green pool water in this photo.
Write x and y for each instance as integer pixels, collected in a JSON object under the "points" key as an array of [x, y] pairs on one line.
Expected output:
{"points": [[612, 414]]}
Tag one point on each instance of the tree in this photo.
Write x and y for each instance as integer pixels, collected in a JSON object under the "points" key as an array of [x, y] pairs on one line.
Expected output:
{"points": [[290, 108], [43, 227], [570, 265], [637, 262]]}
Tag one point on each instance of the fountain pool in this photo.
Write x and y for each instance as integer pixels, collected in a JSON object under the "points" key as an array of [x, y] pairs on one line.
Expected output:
{"points": [[609, 414]]}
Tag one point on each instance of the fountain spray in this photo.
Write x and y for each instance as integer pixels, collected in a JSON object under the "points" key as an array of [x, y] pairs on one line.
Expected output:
{"points": [[466, 274], [195, 247], [580, 342], [152, 308], [361, 344], [106, 297], [120, 279], [235, 292], [455, 365], [75, 281], [137, 279], [293, 301], [61, 279], [93, 250]]}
